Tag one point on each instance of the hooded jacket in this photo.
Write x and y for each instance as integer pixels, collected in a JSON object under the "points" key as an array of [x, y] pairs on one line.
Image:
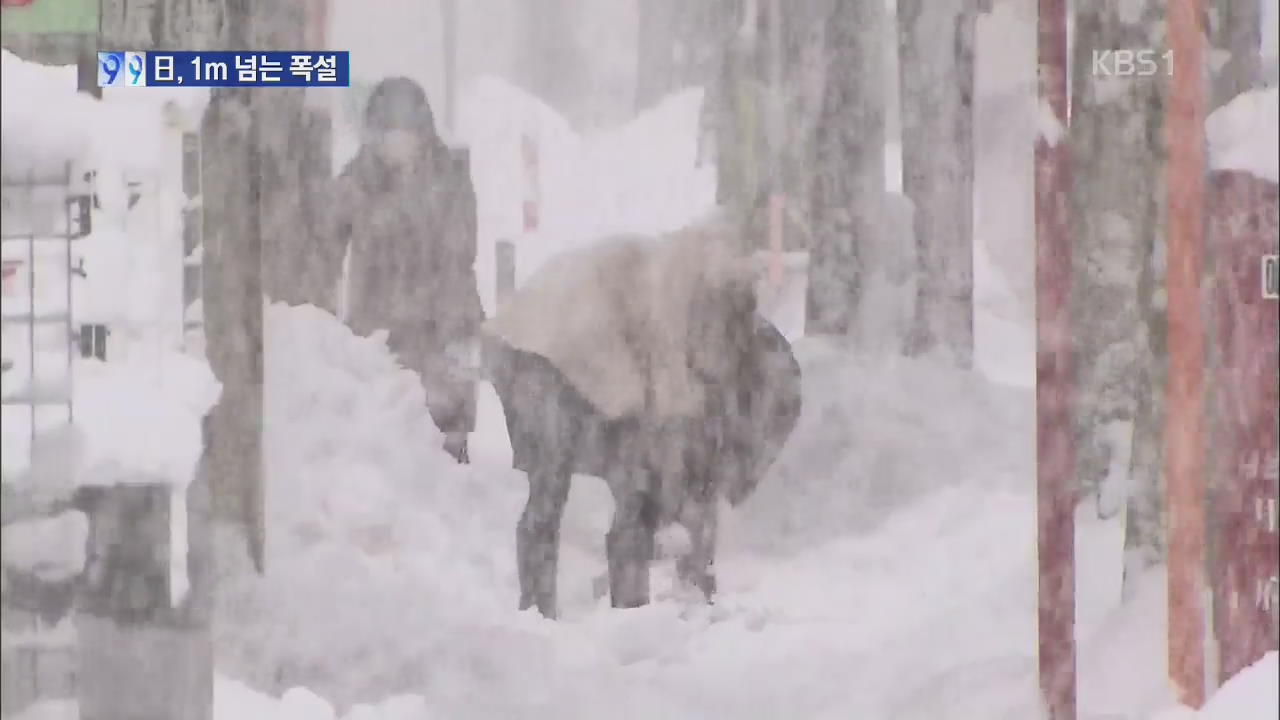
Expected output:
{"points": [[411, 232], [640, 326]]}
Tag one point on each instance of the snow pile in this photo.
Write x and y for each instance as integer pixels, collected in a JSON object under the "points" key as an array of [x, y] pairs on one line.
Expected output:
{"points": [[1008, 119], [381, 548], [1253, 694], [875, 433], [233, 700], [140, 420], [390, 570], [1244, 134]]}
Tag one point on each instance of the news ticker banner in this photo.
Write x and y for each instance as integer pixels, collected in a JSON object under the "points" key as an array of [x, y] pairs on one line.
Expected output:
{"points": [[224, 69]]}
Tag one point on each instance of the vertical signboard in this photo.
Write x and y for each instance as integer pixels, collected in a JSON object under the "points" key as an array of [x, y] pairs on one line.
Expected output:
{"points": [[1243, 223]]}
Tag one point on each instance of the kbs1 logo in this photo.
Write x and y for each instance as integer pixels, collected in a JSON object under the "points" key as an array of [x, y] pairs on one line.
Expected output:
{"points": [[122, 69], [1132, 63]]}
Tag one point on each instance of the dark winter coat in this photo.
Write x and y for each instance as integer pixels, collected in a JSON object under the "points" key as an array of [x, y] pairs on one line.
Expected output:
{"points": [[724, 450], [643, 362], [412, 236]]}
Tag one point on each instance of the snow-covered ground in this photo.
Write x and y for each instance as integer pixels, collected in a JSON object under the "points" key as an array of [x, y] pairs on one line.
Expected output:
{"points": [[886, 568]]}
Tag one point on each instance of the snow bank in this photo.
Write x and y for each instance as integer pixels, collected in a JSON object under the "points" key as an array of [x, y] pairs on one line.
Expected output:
{"points": [[391, 569], [1244, 134], [381, 548], [1253, 694], [876, 433], [886, 570], [233, 700]]}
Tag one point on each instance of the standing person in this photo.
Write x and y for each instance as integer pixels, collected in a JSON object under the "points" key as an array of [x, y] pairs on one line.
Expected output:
{"points": [[406, 208]]}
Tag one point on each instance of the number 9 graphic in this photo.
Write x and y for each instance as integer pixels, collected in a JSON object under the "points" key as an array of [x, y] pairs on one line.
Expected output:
{"points": [[137, 70], [109, 67]]}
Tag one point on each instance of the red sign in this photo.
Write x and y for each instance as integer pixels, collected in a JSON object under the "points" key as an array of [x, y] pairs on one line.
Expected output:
{"points": [[1244, 214], [15, 3], [10, 271]]}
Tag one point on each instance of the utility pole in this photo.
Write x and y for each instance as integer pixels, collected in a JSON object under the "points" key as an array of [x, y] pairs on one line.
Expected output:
{"points": [[936, 76], [233, 202], [1184, 393], [1055, 451]]}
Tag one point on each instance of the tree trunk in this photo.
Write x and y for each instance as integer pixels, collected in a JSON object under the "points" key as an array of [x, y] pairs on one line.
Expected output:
{"points": [[1117, 158], [1184, 392], [1055, 447], [258, 177], [449, 18], [1144, 540], [551, 56], [848, 189], [935, 50], [1236, 31], [679, 44]]}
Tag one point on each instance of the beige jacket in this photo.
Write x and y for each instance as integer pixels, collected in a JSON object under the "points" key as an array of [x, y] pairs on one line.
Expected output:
{"points": [[628, 319]]}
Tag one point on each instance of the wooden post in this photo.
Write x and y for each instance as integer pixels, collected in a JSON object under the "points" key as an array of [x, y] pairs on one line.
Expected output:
{"points": [[1055, 453], [1184, 393], [142, 657], [232, 190], [505, 266]]}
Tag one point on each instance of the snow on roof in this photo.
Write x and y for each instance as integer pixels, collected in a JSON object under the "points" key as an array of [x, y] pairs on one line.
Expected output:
{"points": [[1244, 134], [45, 122], [140, 421]]}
